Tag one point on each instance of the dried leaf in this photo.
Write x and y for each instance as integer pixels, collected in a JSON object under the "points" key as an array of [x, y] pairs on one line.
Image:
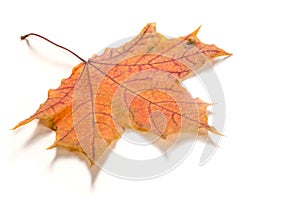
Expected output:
{"points": [[136, 85]]}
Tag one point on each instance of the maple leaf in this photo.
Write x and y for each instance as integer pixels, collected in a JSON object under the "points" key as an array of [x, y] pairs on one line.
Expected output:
{"points": [[136, 85]]}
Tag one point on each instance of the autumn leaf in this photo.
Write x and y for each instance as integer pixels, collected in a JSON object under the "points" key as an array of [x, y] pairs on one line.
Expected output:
{"points": [[136, 85]]}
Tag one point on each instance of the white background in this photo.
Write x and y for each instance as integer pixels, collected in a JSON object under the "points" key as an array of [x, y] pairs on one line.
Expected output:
{"points": [[257, 164]]}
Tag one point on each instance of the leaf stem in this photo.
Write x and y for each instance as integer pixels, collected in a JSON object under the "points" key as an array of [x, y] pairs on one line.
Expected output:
{"points": [[53, 43]]}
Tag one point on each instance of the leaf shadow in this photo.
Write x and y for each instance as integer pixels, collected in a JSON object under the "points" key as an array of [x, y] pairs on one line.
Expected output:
{"points": [[216, 61], [164, 145], [210, 64], [40, 131], [45, 57], [62, 153]]}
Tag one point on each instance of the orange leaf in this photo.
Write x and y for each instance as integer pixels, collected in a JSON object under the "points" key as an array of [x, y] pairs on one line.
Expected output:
{"points": [[136, 85]]}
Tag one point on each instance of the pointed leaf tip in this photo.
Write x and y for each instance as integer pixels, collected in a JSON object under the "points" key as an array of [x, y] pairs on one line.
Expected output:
{"points": [[22, 123], [52, 146], [149, 28], [215, 131], [194, 33]]}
